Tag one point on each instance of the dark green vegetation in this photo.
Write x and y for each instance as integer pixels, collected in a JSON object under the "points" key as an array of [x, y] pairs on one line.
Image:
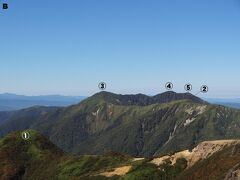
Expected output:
{"points": [[137, 125], [38, 159], [19, 158], [18, 120]]}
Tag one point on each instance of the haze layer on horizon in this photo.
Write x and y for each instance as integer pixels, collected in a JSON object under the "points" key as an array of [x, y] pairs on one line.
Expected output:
{"points": [[67, 48]]}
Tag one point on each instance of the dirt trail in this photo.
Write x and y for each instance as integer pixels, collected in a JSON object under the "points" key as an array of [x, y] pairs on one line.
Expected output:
{"points": [[120, 171]]}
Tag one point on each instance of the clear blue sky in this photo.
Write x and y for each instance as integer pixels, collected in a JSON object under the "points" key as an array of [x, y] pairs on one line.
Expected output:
{"points": [[135, 46]]}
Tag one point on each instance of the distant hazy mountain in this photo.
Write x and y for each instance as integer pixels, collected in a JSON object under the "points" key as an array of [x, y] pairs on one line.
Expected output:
{"points": [[9, 102], [233, 103], [4, 115]]}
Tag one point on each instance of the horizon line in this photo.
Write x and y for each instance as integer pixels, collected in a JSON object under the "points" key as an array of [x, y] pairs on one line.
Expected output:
{"points": [[65, 95]]}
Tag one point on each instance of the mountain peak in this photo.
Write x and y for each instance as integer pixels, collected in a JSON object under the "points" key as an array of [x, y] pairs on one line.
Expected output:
{"points": [[169, 96], [20, 156], [36, 139], [103, 94], [142, 99]]}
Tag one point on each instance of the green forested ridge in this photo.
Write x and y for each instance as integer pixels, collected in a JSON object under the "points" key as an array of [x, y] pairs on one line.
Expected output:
{"points": [[137, 125]]}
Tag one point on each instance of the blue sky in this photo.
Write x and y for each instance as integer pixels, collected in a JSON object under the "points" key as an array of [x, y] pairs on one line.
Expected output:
{"points": [[135, 46]]}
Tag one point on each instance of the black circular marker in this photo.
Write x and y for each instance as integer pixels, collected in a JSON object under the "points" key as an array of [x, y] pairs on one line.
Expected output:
{"points": [[188, 87], [102, 85], [169, 85], [25, 135], [204, 89]]}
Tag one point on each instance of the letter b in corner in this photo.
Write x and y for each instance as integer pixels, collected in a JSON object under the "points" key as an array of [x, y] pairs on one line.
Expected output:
{"points": [[5, 6]]}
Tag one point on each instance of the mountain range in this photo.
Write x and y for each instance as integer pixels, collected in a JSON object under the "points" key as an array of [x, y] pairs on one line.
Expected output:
{"points": [[10, 102], [128, 137], [136, 125]]}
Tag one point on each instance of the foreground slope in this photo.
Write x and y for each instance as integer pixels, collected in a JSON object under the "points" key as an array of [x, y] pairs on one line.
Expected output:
{"points": [[209, 160], [20, 158], [221, 160], [137, 125], [38, 158]]}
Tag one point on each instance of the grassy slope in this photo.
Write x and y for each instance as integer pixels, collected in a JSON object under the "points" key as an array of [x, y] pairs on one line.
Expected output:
{"points": [[135, 130], [37, 158], [30, 158], [143, 131]]}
